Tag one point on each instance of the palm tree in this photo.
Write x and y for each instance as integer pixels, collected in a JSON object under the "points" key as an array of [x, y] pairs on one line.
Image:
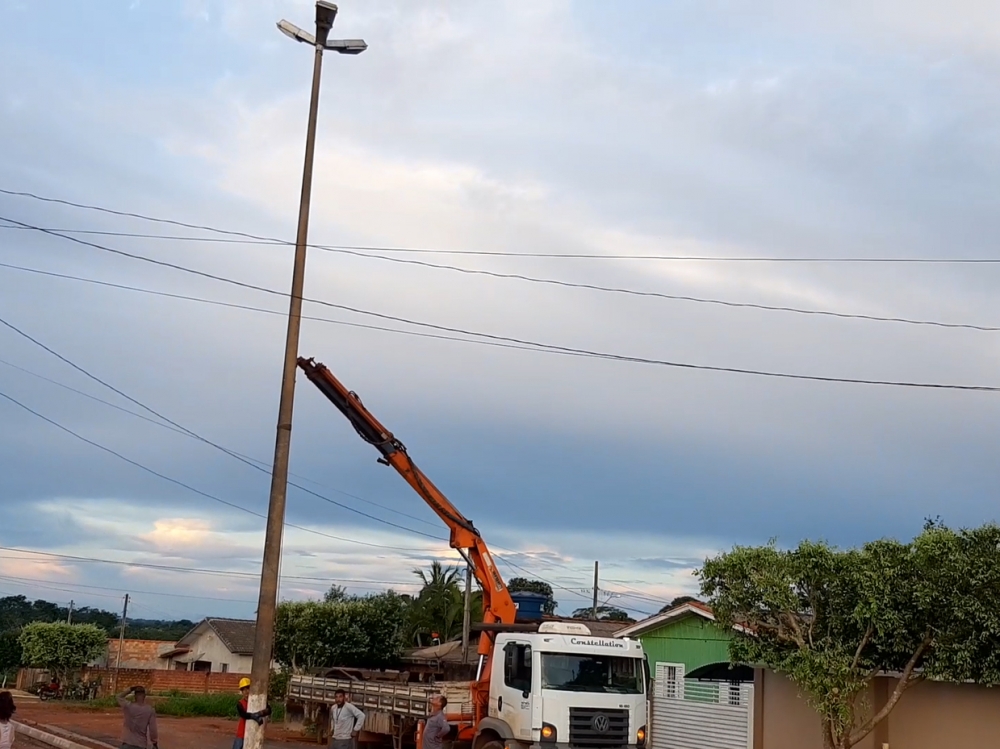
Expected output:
{"points": [[438, 608]]}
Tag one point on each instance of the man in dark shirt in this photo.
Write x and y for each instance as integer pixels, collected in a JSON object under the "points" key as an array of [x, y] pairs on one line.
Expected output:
{"points": [[437, 728], [139, 720]]}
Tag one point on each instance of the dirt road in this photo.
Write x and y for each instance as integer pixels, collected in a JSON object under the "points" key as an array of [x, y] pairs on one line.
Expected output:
{"points": [[175, 733]]}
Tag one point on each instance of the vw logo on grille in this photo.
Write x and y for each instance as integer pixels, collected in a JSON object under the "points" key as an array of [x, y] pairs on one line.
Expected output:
{"points": [[600, 723]]}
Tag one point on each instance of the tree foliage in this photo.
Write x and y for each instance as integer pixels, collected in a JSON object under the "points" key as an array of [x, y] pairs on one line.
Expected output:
{"points": [[359, 632], [10, 651], [604, 614], [832, 620], [60, 647], [17, 611], [524, 585], [679, 601], [439, 608], [335, 593]]}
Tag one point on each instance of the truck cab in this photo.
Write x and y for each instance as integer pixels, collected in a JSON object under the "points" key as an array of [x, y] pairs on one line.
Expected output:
{"points": [[563, 688]]}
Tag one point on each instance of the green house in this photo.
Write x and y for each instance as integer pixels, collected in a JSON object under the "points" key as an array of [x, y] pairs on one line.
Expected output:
{"points": [[684, 642]]}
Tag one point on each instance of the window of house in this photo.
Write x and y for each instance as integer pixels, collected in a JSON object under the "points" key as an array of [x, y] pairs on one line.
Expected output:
{"points": [[224, 668]]}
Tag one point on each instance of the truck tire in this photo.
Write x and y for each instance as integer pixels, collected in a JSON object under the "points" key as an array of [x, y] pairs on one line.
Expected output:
{"points": [[493, 744]]}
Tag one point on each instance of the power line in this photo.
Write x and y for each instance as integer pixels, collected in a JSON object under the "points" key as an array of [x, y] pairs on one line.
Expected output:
{"points": [[197, 436], [200, 438], [171, 425], [190, 488], [553, 348], [142, 592], [195, 570], [494, 253], [576, 285], [182, 432]]}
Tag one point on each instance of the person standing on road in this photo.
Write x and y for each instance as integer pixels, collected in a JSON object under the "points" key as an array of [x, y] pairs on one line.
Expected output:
{"points": [[139, 725], [6, 727], [345, 722], [437, 727], [241, 710]]}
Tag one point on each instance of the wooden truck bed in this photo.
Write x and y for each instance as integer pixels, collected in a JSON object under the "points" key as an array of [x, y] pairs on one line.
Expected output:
{"points": [[380, 700]]}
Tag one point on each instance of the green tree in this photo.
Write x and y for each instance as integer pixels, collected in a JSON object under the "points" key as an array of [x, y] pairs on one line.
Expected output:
{"points": [[335, 593], [524, 585], [10, 652], [832, 620], [62, 648], [679, 601], [360, 632], [604, 614], [438, 609]]}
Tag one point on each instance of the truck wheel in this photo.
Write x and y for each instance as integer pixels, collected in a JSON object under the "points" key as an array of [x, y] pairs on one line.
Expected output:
{"points": [[492, 745]]}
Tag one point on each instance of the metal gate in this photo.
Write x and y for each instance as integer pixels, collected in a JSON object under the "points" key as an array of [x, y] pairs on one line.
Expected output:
{"points": [[699, 715]]}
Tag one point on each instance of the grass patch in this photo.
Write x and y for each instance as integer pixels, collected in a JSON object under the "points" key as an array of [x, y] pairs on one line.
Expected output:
{"points": [[207, 706], [179, 705]]}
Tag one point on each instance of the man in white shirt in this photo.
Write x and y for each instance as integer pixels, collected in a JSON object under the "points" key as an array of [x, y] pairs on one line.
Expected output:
{"points": [[345, 722]]}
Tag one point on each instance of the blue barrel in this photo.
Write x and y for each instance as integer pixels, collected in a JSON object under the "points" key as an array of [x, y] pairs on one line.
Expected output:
{"points": [[530, 606]]}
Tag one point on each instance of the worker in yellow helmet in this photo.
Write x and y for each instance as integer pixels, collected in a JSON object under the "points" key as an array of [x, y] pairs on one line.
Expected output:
{"points": [[241, 710]]}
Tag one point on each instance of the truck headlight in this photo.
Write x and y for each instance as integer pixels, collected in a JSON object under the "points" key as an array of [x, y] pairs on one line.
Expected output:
{"points": [[640, 737], [548, 733]]}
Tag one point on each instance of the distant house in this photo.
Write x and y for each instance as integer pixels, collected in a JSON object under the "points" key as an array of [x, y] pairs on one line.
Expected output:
{"points": [[144, 654], [215, 645], [683, 642]]}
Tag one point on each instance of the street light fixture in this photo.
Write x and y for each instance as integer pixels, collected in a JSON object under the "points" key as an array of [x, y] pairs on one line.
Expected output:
{"points": [[326, 13]]}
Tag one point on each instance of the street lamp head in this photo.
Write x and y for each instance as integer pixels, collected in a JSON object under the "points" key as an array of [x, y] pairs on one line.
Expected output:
{"points": [[347, 46], [294, 32], [326, 13]]}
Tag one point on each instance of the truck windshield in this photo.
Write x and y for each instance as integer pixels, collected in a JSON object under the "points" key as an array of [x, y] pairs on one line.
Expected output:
{"points": [[574, 672]]}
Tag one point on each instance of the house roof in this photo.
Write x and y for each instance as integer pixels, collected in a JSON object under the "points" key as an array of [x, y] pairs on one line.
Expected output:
{"points": [[695, 608], [236, 634]]}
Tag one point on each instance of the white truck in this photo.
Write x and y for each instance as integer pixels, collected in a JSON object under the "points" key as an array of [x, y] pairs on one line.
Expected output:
{"points": [[556, 688], [539, 684], [561, 687]]}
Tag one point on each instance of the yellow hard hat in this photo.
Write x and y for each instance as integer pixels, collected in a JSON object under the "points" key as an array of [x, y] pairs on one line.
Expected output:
{"points": [[244, 683]]}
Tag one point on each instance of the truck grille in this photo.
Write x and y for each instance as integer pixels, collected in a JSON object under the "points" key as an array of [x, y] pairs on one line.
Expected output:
{"points": [[597, 728]]}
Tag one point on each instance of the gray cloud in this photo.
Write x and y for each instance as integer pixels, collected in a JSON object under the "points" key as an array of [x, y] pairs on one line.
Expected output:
{"points": [[466, 126]]}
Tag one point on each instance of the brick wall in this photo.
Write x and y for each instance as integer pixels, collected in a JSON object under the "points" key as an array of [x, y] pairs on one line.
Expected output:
{"points": [[157, 680], [138, 654]]}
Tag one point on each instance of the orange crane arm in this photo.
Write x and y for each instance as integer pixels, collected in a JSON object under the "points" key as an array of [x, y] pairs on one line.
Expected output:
{"points": [[498, 607]]}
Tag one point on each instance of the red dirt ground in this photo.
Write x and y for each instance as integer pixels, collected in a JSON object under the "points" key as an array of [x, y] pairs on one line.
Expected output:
{"points": [[175, 733]]}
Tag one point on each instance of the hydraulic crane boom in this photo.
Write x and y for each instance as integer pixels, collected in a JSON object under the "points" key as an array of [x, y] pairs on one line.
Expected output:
{"points": [[498, 607]]}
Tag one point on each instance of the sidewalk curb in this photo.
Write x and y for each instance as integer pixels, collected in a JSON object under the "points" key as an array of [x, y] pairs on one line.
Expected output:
{"points": [[47, 738]]}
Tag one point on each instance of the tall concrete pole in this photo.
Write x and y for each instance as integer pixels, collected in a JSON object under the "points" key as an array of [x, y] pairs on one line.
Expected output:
{"points": [[260, 672], [121, 644]]}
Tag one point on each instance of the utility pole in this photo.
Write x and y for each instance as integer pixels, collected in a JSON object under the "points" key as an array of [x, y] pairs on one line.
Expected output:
{"points": [[467, 617], [121, 644], [260, 671], [69, 616], [593, 612]]}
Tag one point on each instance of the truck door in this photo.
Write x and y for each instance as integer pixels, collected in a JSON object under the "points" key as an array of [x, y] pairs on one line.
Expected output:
{"points": [[515, 695]]}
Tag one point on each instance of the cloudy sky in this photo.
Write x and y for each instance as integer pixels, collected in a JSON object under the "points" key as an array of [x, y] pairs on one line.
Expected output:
{"points": [[647, 129]]}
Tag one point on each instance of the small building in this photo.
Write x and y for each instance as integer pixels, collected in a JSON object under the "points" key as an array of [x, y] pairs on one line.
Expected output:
{"points": [[144, 654], [215, 646], [682, 642]]}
